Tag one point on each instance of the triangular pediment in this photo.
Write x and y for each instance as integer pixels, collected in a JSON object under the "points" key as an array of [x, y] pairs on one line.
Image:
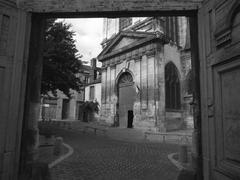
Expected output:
{"points": [[123, 40]]}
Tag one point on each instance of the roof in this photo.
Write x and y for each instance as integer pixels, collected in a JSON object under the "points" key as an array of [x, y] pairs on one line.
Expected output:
{"points": [[126, 40]]}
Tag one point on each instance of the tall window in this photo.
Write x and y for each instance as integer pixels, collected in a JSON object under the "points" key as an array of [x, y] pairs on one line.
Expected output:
{"points": [[86, 79], [92, 93], [172, 87], [95, 74]]}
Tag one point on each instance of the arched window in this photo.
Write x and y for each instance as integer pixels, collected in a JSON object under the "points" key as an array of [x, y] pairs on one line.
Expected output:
{"points": [[125, 79], [172, 87]]}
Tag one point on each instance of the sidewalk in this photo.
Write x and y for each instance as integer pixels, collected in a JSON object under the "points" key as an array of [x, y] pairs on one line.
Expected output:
{"points": [[126, 134], [138, 135]]}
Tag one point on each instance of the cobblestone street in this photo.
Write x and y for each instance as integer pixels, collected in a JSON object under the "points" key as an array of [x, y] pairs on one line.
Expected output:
{"points": [[101, 158]]}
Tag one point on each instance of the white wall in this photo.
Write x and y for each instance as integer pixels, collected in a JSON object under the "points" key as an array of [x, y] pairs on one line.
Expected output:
{"points": [[97, 95], [87, 91]]}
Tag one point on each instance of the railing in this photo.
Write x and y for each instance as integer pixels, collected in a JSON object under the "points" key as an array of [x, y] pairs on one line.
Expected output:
{"points": [[95, 129], [180, 138]]}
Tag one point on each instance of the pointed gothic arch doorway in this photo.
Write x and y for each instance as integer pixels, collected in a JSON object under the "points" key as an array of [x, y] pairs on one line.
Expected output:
{"points": [[126, 97], [172, 87]]}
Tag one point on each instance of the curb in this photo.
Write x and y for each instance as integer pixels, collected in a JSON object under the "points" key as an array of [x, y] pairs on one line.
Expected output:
{"points": [[61, 158], [175, 162]]}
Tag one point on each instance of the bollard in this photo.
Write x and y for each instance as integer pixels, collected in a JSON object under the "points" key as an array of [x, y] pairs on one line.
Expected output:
{"points": [[183, 154], [58, 146]]}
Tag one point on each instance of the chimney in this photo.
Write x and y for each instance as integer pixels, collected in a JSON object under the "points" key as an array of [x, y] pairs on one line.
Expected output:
{"points": [[93, 63]]}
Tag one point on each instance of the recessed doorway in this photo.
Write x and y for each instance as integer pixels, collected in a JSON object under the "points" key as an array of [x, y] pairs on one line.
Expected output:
{"points": [[126, 96], [130, 119]]}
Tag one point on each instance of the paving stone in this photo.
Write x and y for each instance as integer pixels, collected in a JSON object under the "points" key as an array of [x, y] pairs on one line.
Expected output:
{"points": [[101, 158]]}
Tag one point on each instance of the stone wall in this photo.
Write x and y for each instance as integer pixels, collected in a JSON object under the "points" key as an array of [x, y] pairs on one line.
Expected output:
{"points": [[143, 71], [105, 6], [174, 119], [147, 69]]}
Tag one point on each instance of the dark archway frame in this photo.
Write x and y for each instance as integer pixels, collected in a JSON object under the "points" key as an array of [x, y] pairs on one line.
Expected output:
{"points": [[36, 39]]}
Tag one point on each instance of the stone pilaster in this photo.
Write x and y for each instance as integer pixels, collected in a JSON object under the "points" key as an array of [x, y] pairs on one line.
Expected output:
{"points": [[160, 88], [137, 81], [108, 85], [104, 78], [150, 92], [103, 94], [112, 91], [144, 85]]}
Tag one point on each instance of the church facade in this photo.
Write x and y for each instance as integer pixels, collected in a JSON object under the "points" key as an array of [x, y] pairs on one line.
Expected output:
{"points": [[145, 69]]}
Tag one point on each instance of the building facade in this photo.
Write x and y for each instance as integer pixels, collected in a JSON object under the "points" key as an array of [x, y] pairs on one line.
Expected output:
{"points": [[93, 86], [62, 107], [73, 108], [144, 73], [93, 94]]}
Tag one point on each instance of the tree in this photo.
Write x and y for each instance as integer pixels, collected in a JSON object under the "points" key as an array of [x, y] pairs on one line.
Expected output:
{"points": [[61, 61], [90, 108]]}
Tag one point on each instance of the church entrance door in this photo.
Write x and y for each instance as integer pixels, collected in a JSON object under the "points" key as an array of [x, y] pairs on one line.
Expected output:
{"points": [[130, 119], [126, 96]]}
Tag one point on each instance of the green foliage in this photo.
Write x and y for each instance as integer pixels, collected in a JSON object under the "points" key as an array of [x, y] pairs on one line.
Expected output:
{"points": [[91, 106], [61, 62]]}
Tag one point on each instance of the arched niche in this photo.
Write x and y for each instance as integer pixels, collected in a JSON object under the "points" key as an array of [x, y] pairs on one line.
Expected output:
{"points": [[124, 70], [172, 87]]}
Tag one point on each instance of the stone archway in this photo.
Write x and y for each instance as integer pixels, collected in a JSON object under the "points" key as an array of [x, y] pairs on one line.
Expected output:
{"points": [[172, 87], [126, 98]]}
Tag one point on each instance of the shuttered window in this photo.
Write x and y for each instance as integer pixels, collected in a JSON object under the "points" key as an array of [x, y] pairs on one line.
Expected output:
{"points": [[92, 93]]}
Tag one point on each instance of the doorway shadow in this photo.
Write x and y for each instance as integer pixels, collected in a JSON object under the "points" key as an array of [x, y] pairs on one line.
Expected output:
{"points": [[130, 119]]}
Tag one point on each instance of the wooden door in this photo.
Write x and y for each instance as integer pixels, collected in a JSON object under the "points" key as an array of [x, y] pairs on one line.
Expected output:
{"points": [[13, 28], [127, 95], [126, 101], [219, 37]]}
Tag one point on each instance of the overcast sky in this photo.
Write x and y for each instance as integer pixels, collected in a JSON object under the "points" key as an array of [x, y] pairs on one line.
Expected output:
{"points": [[88, 36]]}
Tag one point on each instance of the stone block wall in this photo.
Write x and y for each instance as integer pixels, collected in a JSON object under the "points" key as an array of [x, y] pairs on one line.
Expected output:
{"points": [[145, 72], [105, 6], [146, 63]]}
